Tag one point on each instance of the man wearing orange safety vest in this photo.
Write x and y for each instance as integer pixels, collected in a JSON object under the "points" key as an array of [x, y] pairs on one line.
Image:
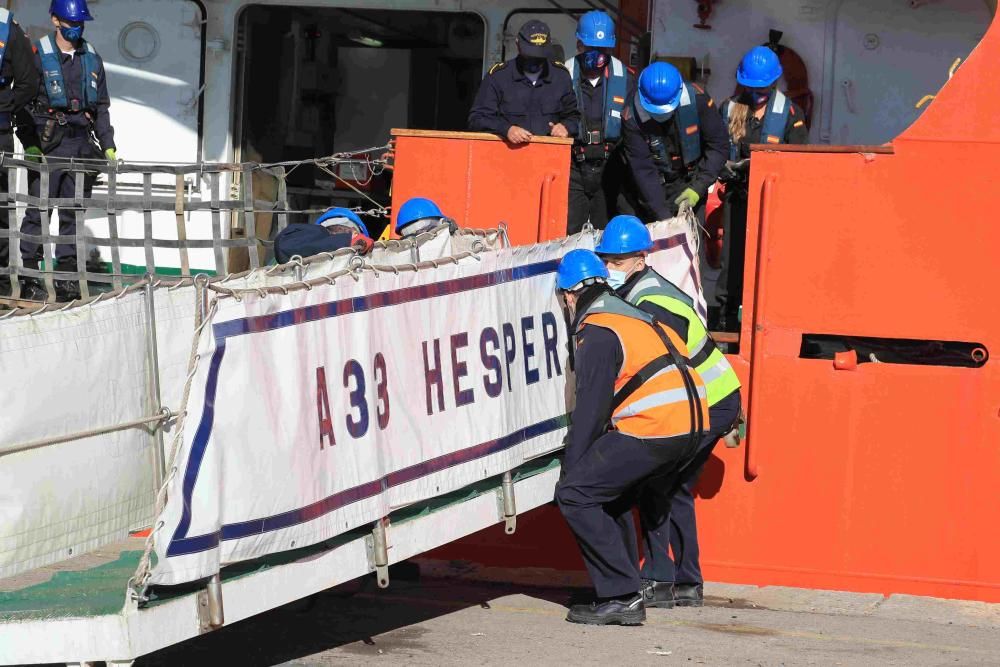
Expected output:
{"points": [[666, 504], [640, 411]]}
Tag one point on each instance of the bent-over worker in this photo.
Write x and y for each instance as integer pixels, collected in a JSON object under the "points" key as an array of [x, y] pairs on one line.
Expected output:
{"points": [[640, 410], [666, 504], [675, 141]]}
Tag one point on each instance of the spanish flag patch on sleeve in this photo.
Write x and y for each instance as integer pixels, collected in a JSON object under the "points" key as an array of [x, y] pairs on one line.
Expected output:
{"points": [[692, 130]]}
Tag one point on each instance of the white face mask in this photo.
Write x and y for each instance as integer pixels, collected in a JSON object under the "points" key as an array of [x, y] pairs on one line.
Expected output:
{"points": [[617, 278]]}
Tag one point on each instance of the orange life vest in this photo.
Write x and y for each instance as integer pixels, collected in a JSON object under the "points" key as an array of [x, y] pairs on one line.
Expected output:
{"points": [[660, 406]]}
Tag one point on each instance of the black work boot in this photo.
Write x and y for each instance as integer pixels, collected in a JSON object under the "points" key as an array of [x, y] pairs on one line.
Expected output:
{"points": [[67, 290], [33, 290], [614, 611], [689, 595], [658, 594]]}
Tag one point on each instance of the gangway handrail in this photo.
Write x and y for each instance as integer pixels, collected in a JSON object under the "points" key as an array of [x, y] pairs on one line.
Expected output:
{"points": [[164, 416], [231, 213]]}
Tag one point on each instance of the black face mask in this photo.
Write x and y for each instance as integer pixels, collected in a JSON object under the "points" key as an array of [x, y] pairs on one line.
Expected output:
{"points": [[753, 98], [594, 60], [530, 65]]}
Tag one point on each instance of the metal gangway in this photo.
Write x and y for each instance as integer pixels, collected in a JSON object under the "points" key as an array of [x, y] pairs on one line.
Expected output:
{"points": [[136, 219]]}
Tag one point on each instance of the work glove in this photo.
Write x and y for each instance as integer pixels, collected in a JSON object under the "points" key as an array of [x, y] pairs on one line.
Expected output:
{"points": [[111, 154], [689, 196], [361, 244], [734, 171], [739, 166], [34, 153]]}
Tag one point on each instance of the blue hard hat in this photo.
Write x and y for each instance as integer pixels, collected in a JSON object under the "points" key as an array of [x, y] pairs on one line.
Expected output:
{"points": [[660, 86], [596, 29], [624, 235], [416, 209], [340, 216], [577, 266], [759, 68], [71, 10]]}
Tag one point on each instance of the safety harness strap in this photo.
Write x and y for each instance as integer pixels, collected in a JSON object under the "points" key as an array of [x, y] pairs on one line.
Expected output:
{"points": [[773, 130], [55, 85], [688, 125], [645, 374], [614, 103], [694, 405], [615, 89]]}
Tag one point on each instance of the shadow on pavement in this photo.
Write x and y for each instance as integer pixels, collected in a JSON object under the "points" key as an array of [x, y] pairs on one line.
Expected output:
{"points": [[355, 613]]}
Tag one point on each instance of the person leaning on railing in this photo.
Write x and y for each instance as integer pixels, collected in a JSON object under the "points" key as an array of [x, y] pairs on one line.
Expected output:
{"points": [[337, 228], [18, 85], [70, 112], [531, 95]]}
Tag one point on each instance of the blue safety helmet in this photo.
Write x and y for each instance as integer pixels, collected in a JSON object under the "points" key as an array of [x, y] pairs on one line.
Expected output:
{"points": [[660, 86], [341, 216], [596, 29], [71, 10], [416, 209], [624, 235], [579, 266], [759, 68]]}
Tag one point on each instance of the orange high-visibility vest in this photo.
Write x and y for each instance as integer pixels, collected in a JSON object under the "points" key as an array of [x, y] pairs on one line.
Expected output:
{"points": [[660, 406]]}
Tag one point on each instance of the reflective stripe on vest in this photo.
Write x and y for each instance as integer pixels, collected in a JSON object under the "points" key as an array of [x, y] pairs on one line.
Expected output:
{"points": [[55, 86], [615, 88], [772, 130], [718, 375], [5, 19], [660, 407]]}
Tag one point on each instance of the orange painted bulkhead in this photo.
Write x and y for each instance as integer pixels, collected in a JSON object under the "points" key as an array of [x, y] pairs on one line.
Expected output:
{"points": [[480, 181], [879, 477]]}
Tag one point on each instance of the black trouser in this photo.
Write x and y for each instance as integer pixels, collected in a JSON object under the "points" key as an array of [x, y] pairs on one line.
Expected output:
{"points": [[593, 497], [729, 286], [594, 190], [666, 506], [62, 184], [6, 146]]}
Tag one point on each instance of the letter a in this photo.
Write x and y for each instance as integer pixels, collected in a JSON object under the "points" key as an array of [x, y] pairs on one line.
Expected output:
{"points": [[323, 408]]}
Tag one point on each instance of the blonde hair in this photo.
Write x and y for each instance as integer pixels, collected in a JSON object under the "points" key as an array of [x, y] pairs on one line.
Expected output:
{"points": [[738, 115]]}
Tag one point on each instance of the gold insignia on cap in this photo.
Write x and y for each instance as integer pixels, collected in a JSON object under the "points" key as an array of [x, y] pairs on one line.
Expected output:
{"points": [[539, 39]]}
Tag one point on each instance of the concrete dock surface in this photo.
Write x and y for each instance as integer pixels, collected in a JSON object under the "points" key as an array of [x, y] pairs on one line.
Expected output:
{"points": [[456, 614]]}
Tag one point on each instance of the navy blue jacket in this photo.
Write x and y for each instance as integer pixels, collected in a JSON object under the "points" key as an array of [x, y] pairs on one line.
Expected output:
{"points": [[598, 357], [306, 240], [20, 73], [100, 116], [507, 97], [657, 195]]}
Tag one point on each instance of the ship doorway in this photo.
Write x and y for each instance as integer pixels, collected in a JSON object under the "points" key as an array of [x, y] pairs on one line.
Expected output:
{"points": [[316, 81]]}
